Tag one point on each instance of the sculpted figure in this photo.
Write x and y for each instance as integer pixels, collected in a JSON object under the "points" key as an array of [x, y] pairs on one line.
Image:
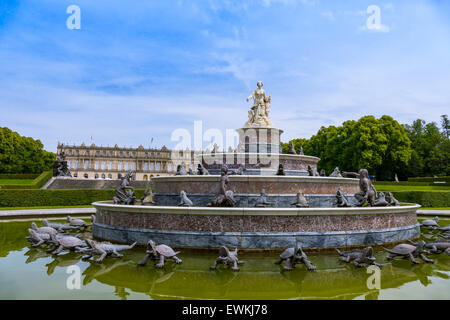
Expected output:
{"points": [[342, 200], [301, 201], [301, 151], [431, 223], [104, 249], [181, 170], [294, 256], [381, 201], [391, 200], [185, 201], [359, 258], [60, 168], [408, 251], [368, 192], [147, 198], [201, 171], [262, 201], [291, 149], [323, 173], [259, 113], [227, 258], [159, 252], [225, 197], [312, 172], [124, 192], [280, 171], [336, 173]]}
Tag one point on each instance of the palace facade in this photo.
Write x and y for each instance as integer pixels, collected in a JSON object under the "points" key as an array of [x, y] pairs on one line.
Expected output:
{"points": [[93, 162]]}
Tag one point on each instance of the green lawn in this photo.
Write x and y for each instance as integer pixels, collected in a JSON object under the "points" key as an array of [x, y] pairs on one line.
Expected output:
{"points": [[16, 181], [45, 207], [390, 187]]}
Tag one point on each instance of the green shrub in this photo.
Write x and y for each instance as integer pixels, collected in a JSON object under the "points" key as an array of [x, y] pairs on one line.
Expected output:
{"points": [[52, 197], [38, 182], [425, 198], [18, 175]]}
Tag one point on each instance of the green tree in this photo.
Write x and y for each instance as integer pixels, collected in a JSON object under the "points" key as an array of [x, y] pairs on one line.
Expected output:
{"points": [[22, 154]]}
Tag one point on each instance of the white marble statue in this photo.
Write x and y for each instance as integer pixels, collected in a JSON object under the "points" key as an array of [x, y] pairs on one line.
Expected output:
{"points": [[258, 115]]}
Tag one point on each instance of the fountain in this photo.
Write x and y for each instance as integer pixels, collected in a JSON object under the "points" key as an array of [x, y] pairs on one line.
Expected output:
{"points": [[256, 197]]}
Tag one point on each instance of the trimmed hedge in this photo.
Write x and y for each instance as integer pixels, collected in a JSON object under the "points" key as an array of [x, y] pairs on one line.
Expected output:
{"points": [[429, 179], [38, 182], [424, 198], [19, 175], [52, 197]]}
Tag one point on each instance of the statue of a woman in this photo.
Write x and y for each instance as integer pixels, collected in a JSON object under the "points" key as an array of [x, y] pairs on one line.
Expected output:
{"points": [[259, 113]]}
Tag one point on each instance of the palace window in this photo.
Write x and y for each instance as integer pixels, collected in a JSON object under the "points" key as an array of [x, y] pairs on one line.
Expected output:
{"points": [[121, 153], [97, 153], [133, 166], [77, 152], [103, 176], [158, 166], [87, 152], [152, 166], [75, 166], [110, 176], [103, 165], [86, 164], [86, 175], [120, 165], [69, 163], [128, 153], [96, 165], [109, 165], [145, 166], [170, 167], [126, 165]]}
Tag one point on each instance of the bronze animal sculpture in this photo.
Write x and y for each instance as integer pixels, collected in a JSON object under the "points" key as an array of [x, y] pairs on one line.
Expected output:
{"points": [[227, 258], [359, 258], [125, 192], [368, 192], [104, 249], [341, 199], [67, 242], [437, 247], [201, 170], [291, 149], [391, 199], [185, 201], [301, 201], [280, 171], [159, 252], [262, 202], [48, 230], [60, 227], [293, 256], [181, 170], [408, 251], [147, 198], [431, 224], [225, 198], [312, 172], [336, 173], [77, 223], [381, 201]]}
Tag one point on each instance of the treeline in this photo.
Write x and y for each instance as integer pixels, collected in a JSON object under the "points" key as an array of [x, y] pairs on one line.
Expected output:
{"points": [[383, 146], [20, 154]]}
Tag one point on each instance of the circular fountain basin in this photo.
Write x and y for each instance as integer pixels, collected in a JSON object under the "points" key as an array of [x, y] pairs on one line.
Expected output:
{"points": [[255, 228]]}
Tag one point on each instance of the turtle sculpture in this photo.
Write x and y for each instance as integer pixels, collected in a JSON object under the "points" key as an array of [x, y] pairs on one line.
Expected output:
{"points": [[185, 201], [431, 224], [391, 199], [67, 242], [104, 249], [342, 200], [227, 258], [301, 201], [262, 202], [359, 258], [60, 227], [381, 201], [409, 251], [294, 256], [48, 230], [159, 252], [78, 223], [437, 247], [444, 229]]}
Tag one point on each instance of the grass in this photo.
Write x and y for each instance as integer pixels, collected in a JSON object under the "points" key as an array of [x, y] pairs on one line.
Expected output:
{"points": [[389, 187], [15, 181], [432, 208], [45, 207]]}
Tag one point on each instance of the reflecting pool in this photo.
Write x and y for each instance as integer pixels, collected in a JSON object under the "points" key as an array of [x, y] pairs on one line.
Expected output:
{"points": [[32, 273]]}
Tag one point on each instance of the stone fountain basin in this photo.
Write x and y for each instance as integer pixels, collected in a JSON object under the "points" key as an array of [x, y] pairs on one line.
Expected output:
{"points": [[255, 228]]}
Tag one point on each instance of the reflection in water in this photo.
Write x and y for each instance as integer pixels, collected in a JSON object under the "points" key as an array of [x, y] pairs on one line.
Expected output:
{"points": [[259, 278]]}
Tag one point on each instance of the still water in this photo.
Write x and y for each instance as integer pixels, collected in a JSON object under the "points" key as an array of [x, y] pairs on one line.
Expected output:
{"points": [[31, 273]]}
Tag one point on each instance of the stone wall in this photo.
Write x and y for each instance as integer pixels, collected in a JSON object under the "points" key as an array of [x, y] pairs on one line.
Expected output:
{"points": [[72, 183]]}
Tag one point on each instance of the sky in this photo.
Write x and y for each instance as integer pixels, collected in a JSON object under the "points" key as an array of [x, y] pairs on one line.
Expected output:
{"points": [[138, 70]]}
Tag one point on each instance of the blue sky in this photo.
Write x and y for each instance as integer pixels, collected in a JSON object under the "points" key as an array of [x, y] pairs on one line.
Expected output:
{"points": [[141, 69]]}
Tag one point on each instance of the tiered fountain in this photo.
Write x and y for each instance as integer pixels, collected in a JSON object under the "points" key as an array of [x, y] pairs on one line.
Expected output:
{"points": [[266, 212]]}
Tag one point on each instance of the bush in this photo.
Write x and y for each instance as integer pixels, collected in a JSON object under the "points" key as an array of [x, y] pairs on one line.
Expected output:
{"points": [[425, 198], [52, 197], [18, 175], [37, 183]]}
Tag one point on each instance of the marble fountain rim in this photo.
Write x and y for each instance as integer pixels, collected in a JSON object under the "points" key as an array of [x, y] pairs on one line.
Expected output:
{"points": [[404, 208], [248, 178]]}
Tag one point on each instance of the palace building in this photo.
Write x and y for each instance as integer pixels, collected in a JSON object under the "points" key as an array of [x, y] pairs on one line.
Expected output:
{"points": [[94, 162]]}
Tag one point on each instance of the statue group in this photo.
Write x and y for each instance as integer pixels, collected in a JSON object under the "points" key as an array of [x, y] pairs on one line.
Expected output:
{"points": [[60, 167], [258, 115]]}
